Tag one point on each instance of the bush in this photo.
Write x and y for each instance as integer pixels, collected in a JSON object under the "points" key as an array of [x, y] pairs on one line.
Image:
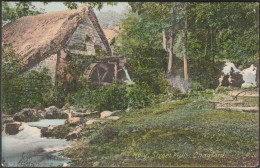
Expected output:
{"points": [[223, 89], [172, 93], [30, 90], [198, 91], [140, 96], [111, 97], [33, 90]]}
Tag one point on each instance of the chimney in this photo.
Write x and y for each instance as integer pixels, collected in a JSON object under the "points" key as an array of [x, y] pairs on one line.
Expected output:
{"points": [[117, 27]]}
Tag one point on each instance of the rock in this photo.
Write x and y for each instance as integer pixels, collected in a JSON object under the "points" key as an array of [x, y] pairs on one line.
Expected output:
{"points": [[13, 128], [234, 79], [113, 118], [46, 131], [75, 134], [72, 120], [7, 119], [232, 76], [65, 165], [94, 114], [41, 113], [106, 114], [223, 80], [91, 121], [27, 115], [53, 112]]}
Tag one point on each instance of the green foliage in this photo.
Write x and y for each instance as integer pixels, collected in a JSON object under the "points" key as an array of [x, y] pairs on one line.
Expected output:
{"points": [[111, 97], [99, 5], [119, 96], [198, 91], [172, 93], [223, 89], [21, 9], [31, 90], [19, 90], [214, 34], [147, 61], [220, 31], [140, 96], [60, 131], [78, 64]]}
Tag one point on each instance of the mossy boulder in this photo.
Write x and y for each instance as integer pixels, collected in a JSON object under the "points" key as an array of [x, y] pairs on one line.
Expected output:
{"points": [[60, 131], [53, 112], [13, 128], [27, 115]]}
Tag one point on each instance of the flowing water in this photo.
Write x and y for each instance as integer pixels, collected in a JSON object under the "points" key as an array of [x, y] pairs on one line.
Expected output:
{"points": [[28, 148], [128, 79]]}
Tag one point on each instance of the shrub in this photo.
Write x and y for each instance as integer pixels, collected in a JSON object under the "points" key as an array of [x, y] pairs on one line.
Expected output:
{"points": [[30, 90], [111, 97], [33, 90], [198, 91], [37, 86], [140, 96], [172, 93], [223, 89]]}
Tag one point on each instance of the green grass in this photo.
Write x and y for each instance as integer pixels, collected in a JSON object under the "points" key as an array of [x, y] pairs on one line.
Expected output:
{"points": [[247, 101], [183, 133]]}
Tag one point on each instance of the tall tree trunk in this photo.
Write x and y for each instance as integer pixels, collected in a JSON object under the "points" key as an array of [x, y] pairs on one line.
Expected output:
{"points": [[211, 44], [208, 45], [164, 40], [185, 62], [170, 60], [215, 46]]}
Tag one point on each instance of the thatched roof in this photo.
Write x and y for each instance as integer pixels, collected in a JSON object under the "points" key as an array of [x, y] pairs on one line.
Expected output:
{"points": [[34, 38], [110, 34]]}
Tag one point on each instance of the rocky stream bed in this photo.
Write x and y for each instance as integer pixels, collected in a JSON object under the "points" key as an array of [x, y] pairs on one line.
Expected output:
{"points": [[36, 137]]}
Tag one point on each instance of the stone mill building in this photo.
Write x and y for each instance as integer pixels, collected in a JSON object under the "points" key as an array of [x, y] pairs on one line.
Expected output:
{"points": [[45, 40]]}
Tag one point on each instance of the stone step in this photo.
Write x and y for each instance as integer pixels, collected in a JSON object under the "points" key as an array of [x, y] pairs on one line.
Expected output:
{"points": [[246, 109]]}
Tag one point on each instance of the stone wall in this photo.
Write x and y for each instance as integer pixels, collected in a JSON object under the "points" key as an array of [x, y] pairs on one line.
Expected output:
{"points": [[85, 38], [49, 63]]}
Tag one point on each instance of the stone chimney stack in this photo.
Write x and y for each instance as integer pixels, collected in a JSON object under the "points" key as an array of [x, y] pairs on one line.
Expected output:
{"points": [[117, 27]]}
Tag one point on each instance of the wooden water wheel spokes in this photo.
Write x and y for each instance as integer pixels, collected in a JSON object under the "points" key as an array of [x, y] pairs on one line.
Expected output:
{"points": [[101, 76]]}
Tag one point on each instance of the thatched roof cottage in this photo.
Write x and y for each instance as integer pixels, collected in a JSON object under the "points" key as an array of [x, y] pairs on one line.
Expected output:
{"points": [[111, 34], [45, 40]]}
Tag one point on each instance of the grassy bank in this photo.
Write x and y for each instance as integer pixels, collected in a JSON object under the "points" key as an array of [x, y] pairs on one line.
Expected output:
{"points": [[183, 133]]}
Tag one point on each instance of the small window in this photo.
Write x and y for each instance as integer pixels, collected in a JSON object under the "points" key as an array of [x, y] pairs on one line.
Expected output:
{"points": [[88, 39]]}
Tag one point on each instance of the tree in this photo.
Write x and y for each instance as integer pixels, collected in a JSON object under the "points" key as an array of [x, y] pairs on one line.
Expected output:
{"points": [[22, 8], [25, 8]]}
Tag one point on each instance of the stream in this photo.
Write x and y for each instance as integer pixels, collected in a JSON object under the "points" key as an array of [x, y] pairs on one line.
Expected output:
{"points": [[28, 148]]}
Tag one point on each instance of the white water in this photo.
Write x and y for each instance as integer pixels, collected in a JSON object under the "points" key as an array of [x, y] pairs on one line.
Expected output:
{"points": [[128, 79], [34, 149], [46, 123]]}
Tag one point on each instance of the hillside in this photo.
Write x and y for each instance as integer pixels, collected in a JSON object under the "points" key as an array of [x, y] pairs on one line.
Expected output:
{"points": [[182, 133]]}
